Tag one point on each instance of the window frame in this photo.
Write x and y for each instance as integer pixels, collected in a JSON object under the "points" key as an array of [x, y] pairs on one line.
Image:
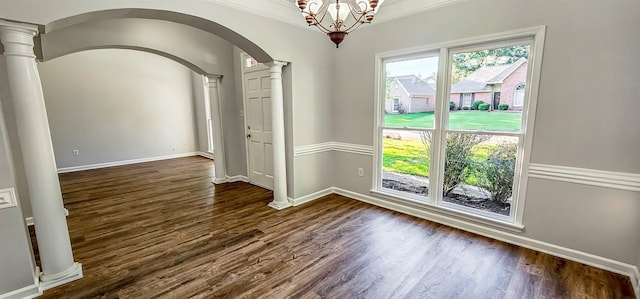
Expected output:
{"points": [[535, 37]]}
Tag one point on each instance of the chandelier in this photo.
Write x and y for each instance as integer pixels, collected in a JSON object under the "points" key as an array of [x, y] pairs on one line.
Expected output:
{"points": [[346, 15]]}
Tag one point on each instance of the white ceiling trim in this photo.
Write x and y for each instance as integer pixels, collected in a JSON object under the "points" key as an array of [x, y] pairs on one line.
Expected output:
{"points": [[397, 9], [279, 10], [286, 11]]}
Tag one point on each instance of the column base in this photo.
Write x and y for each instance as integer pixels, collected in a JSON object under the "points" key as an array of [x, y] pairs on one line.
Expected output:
{"points": [[280, 205], [66, 276]]}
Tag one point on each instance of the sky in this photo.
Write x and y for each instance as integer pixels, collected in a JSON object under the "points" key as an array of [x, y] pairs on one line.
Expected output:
{"points": [[422, 66]]}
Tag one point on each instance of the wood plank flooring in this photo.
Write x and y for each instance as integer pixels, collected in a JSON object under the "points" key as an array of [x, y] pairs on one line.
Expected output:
{"points": [[163, 230]]}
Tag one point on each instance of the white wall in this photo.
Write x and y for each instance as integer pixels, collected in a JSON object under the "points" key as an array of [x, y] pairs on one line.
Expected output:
{"points": [[117, 105], [587, 110], [16, 259], [19, 175]]}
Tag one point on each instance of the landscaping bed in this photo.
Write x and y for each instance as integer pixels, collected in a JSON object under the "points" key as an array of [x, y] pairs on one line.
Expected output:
{"points": [[479, 203], [464, 195]]}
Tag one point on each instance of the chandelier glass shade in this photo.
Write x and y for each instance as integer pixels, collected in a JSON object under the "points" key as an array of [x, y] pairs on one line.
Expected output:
{"points": [[344, 16]]}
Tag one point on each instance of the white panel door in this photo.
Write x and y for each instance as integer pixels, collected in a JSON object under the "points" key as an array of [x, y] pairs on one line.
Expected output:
{"points": [[257, 85]]}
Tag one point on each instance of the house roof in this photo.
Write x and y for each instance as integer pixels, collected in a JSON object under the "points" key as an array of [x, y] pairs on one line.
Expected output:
{"points": [[416, 86], [482, 78]]}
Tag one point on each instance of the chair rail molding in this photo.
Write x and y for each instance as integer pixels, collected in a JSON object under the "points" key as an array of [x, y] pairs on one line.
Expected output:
{"points": [[592, 177], [352, 148], [8, 198]]}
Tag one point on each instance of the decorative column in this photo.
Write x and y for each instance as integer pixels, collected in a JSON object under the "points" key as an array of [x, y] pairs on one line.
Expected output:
{"points": [[37, 151], [280, 200], [218, 137]]}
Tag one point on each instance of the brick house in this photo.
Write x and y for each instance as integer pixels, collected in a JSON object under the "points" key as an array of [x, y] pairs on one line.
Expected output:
{"points": [[411, 94], [495, 85]]}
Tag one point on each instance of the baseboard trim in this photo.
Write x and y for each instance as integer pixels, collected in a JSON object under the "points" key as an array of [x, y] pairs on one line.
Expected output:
{"points": [[311, 197], [219, 181], [237, 178], [125, 162], [27, 292], [636, 281], [206, 155], [571, 254], [29, 220], [585, 176]]}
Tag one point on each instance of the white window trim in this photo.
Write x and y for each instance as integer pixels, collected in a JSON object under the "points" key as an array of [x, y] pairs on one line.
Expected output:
{"points": [[536, 36]]}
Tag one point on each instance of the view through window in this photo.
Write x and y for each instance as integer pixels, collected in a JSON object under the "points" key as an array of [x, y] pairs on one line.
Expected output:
{"points": [[463, 142]]}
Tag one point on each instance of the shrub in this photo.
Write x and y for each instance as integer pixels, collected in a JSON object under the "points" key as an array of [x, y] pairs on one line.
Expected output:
{"points": [[452, 105], [401, 109], [483, 107], [497, 171], [465, 108], [503, 107], [475, 105], [458, 165]]}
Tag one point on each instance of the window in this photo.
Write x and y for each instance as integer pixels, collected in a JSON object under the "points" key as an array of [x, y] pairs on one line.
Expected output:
{"points": [[467, 99], [396, 104], [461, 161], [250, 62], [518, 96]]}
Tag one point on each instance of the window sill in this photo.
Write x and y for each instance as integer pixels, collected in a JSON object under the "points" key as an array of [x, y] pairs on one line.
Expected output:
{"points": [[455, 214]]}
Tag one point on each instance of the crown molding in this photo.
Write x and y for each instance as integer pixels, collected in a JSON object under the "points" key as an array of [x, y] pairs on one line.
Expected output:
{"points": [[396, 9], [279, 10]]}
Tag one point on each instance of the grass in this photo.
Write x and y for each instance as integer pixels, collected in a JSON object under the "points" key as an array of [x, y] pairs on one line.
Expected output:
{"points": [[406, 157], [459, 120], [410, 157]]}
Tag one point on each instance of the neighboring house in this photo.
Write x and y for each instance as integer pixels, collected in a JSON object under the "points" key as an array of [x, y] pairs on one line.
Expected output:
{"points": [[411, 94], [495, 85]]}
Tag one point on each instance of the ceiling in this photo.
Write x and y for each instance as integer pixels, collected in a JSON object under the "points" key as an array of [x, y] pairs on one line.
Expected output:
{"points": [[286, 11]]}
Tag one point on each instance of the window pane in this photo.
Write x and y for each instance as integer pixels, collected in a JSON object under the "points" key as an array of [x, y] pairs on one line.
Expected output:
{"points": [[487, 89], [406, 161], [410, 93], [479, 171]]}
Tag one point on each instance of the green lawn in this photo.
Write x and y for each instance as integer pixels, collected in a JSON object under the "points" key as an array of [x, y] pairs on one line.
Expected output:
{"points": [[406, 157], [459, 120], [410, 157]]}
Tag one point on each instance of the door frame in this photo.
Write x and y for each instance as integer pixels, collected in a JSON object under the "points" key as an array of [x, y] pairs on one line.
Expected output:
{"points": [[258, 67]]}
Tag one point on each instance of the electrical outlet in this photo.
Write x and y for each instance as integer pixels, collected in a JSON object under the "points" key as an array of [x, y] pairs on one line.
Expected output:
{"points": [[360, 172], [76, 152]]}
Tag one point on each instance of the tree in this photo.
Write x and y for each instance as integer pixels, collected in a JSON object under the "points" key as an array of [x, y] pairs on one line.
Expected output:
{"points": [[468, 62]]}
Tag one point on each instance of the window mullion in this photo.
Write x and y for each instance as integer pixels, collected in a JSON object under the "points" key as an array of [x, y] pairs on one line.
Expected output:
{"points": [[440, 119]]}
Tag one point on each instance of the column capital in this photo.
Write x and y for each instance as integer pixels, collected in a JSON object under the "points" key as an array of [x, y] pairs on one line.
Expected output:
{"points": [[212, 81], [17, 38], [276, 63]]}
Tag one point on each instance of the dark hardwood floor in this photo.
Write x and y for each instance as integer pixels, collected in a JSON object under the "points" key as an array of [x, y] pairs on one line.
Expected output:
{"points": [[163, 230]]}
